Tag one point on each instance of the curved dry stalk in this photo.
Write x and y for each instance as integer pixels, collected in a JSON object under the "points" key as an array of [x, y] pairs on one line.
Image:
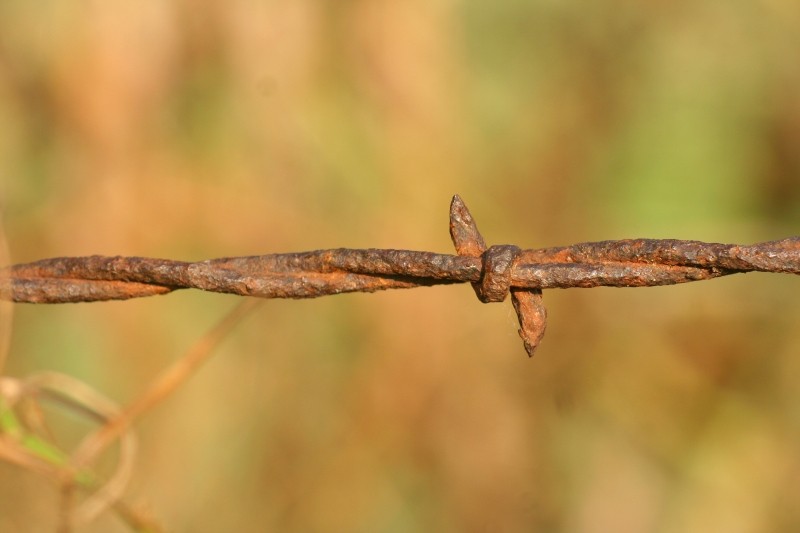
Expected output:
{"points": [[6, 307], [82, 400]]}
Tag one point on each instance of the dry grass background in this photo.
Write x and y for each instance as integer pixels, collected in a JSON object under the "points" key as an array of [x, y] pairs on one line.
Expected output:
{"points": [[192, 130]]}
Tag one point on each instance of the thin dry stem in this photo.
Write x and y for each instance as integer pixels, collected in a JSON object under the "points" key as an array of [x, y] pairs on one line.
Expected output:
{"points": [[161, 387]]}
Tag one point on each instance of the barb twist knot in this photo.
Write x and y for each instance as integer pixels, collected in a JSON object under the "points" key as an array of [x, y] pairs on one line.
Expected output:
{"points": [[498, 262]]}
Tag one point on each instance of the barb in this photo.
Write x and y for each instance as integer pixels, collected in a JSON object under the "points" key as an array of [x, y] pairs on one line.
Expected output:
{"points": [[493, 271], [527, 303]]}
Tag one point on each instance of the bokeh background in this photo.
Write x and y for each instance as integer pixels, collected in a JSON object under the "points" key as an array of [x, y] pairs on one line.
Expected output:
{"points": [[192, 130]]}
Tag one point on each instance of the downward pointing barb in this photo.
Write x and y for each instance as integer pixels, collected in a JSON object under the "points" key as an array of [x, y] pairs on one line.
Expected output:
{"points": [[498, 263], [532, 316]]}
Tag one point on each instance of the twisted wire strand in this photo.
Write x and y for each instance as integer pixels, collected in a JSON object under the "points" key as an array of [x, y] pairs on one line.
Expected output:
{"points": [[625, 263], [494, 271]]}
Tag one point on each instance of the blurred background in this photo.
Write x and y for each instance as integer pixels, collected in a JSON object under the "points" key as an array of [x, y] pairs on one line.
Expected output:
{"points": [[192, 130]]}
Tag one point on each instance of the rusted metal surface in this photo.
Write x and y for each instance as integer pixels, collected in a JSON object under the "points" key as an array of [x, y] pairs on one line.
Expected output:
{"points": [[493, 271]]}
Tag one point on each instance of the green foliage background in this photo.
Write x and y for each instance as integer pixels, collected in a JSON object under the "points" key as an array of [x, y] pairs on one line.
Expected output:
{"points": [[192, 130]]}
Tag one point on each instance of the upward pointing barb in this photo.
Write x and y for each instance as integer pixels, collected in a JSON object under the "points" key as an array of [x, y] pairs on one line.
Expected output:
{"points": [[464, 231], [498, 262]]}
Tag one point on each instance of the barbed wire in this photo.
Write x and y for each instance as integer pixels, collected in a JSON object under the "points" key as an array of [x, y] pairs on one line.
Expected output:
{"points": [[494, 271]]}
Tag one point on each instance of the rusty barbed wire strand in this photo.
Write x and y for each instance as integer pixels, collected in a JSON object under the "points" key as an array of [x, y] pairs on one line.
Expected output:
{"points": [[494, 271]]}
